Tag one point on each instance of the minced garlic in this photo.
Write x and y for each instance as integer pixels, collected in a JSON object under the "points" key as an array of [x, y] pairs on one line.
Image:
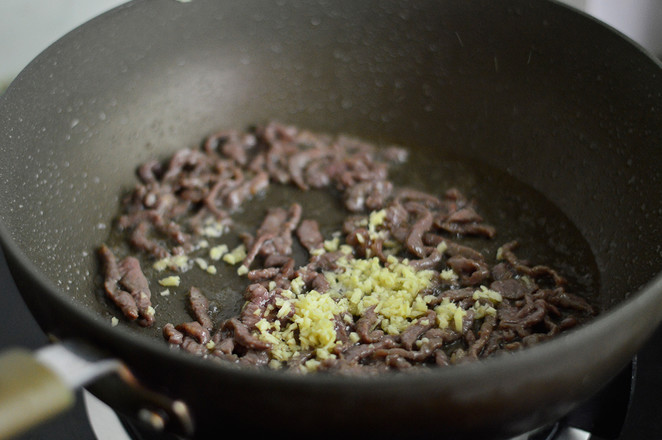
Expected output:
{"points": [[217, 252], [171, 281], [202, 263], [177, 262], [485, 293], [213, 228], [242, 270], [448, 275], [332, 244], [237, 255], [450, 313], [393, 289], [301, 320]]}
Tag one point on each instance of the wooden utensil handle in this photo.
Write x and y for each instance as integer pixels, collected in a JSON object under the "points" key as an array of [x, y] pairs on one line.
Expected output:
{"points": [[30, 393]]}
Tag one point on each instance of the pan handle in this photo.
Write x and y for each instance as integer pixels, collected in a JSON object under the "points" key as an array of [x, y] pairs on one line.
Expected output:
{"points": [[36, 386], [30, 393]]}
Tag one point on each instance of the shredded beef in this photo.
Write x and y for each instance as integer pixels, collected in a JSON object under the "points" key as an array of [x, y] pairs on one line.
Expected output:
{"points": [[176, 198]]}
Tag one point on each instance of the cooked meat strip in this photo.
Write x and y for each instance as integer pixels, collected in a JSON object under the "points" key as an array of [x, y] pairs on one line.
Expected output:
{"points": [[419, 327], [309, 235], [371, 195], [243, 336], [123, 299], [200, 307], [232, 144], [571, 301], [512, 288], [126, 285], [244, 190], [172, 335], [134, 281], [194, 330], [538, 271], [471, 271], [192, 346], [421, 225], [255, 247], [365, 327], [279, 225], [141, 241], [484, 334]]}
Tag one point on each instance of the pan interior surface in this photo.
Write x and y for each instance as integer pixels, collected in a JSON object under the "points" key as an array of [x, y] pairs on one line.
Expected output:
{"points": [[517, 93]]}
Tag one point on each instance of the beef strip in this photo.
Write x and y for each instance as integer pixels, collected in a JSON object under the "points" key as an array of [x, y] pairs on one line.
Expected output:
{"points": [[309, 235], [199, 305], [126, 285], [278, 225], [123, 299], [194, 330], [135, 282]]}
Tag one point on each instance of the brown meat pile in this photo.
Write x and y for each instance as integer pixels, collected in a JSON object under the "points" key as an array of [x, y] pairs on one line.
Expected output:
{"points": [[166, 212]]}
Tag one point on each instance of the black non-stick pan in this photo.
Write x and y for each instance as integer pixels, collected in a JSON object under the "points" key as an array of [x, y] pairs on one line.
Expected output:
{"points": [[538, 93]]}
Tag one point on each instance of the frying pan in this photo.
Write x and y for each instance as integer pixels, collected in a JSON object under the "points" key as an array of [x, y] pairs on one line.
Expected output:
{"points": [[542, 93]]}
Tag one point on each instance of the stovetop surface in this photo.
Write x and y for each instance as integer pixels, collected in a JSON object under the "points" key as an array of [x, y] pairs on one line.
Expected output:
{"points": [[643, 421]]}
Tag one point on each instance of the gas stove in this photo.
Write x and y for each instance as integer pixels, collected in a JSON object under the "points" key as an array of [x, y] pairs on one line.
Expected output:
{"points": [[629, 408]]}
